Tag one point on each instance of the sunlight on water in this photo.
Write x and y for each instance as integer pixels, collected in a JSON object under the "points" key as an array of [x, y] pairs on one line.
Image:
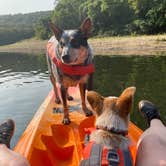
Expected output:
{"points": [[22, 89]]}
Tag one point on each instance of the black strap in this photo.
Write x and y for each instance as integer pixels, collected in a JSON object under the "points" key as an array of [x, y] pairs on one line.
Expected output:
{"points": [[113, 158], [127, 158], [86, 139]]}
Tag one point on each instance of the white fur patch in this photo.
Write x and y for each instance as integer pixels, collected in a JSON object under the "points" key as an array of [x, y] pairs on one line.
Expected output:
{"points": [[112, 120]]}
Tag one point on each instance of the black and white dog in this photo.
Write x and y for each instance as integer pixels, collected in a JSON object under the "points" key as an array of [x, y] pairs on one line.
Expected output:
{"points": [[70, 63]]}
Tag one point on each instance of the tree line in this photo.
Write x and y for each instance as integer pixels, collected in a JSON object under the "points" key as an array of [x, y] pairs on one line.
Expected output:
{"points": [[110, 17], [19, 26]]}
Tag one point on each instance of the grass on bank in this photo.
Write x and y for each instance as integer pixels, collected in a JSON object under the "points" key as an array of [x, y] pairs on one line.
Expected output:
{"points": [[125, 45]]}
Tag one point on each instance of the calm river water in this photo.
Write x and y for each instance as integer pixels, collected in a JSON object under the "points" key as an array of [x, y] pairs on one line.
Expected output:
{"points": [[24, 84]]}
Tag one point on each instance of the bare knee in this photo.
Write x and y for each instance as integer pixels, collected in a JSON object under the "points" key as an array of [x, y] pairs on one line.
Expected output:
{"points": [[3, 146], [152, 140], [20, 161], [151, 151], [11, 158]]}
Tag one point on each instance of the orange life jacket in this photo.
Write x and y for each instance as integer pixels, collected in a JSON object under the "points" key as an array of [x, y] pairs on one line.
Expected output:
{"points": [[98, 155], [67, 69]]}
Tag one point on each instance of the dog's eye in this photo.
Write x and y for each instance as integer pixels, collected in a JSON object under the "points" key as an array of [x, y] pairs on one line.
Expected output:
{"points": [[74, 43], [84, 42], [62, 44]]}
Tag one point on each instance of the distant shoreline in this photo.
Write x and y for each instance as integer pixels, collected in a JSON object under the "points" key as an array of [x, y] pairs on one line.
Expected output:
{"points": [[127, 45]]}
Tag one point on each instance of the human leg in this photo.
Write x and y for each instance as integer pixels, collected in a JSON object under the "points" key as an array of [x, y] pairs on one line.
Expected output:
{"points": [[6, 132], [152, 144], [7, 156], [11, 158]]}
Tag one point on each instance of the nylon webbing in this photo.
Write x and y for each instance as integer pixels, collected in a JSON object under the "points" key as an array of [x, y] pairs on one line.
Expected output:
{"points": [[95, 156], [127, 158]]}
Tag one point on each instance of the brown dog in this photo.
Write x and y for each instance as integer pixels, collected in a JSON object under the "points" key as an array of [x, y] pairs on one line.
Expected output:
{"points": [[70, 63], [112, 119]]}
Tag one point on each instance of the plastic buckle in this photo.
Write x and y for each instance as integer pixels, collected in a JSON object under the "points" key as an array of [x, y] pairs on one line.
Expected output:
{"points": [[113, 157]]}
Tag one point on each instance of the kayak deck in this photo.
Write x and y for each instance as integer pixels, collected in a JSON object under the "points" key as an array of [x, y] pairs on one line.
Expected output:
{"points": [[47, 142]]}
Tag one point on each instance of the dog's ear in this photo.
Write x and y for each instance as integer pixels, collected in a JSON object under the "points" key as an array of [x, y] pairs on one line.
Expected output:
{"points": [[86, 27], [96, 101], [57, 31], [125, 101]]}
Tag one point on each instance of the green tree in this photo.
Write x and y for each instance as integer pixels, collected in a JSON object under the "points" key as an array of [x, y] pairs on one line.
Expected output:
{"points": [[156, 18], [42, 29], [67, 13], [151, 16], [18, 27], [109, 15]]}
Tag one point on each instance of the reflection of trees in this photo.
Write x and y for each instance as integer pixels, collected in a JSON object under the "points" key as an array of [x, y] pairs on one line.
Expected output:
{"points": [[22, 62], [113, 74], [149, 75]]}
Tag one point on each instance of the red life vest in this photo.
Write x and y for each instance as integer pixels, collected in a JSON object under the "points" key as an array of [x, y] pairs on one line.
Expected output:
{"points": [[97, 155], [67, 69]]}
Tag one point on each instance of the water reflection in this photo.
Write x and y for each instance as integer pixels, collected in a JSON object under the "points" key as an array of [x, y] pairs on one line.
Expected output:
{"points": [[148, 74], [24, 84], [22, 68]]}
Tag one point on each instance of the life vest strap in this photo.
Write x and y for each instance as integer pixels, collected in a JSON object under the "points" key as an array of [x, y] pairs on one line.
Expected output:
{"points": [[113, 158], [97, 155], [94, 158]]}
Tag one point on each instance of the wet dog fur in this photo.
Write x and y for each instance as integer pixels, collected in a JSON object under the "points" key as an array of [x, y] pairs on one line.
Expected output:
{"points": [[72, 49], [112, 113]]}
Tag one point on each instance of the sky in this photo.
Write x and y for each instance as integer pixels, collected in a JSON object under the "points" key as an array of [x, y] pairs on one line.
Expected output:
{"points": [[24, 6]]}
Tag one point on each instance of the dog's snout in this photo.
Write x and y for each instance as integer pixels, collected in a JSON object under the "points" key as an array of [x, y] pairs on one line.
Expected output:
{"points": [[66, 58]]}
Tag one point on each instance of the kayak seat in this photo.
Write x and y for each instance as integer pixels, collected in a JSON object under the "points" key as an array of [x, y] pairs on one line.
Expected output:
{"points": [[63, 135], [61, 147], [40, 157], [56, 151]]}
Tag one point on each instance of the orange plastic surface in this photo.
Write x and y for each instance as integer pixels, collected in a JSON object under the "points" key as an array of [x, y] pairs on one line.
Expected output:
{"points": [[47, 142]]}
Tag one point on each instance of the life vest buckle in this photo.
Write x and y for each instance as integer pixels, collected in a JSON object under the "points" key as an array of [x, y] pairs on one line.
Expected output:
{"points": [[113, 157]]}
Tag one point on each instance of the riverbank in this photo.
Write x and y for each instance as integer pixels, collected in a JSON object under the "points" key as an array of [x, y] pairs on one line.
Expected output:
{"points": [[127, 45]]}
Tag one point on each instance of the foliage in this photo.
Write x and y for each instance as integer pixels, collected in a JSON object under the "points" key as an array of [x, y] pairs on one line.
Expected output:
{"points": [[151, 17], [11, 35], [110, 17], [113, 17], [20, 26], [42, 29], [67, 13]]}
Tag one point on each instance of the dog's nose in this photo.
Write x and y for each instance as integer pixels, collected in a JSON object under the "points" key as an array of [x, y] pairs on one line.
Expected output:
{"points": [[66, 58]]}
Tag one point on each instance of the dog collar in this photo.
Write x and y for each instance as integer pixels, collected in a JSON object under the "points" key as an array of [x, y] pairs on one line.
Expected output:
{"points": [[113, 131]]}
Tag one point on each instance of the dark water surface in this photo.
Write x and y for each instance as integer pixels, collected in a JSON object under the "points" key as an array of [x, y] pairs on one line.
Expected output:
{"points": [[147, 74], [24, 84]]}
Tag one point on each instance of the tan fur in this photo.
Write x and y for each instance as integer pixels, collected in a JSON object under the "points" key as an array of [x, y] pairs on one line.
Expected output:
{"points": [[96, 101], [78, 56], [67, 81], [111, 141], [112, 112]]}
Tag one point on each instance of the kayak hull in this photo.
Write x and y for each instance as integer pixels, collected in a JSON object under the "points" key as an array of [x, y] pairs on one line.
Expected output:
{"points": [[47, 142]]}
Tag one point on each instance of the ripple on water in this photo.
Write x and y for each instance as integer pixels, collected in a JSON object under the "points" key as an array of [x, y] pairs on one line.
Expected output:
{"points": [[24, 84]]}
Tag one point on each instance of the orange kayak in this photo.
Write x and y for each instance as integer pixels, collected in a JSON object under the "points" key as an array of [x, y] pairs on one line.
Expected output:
{"points": [[47, 142]]}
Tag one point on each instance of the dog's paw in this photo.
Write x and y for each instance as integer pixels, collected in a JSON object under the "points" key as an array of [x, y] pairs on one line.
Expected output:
{"points": [[70, 98], [57, 101], [88, 112], [66, 121]]}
